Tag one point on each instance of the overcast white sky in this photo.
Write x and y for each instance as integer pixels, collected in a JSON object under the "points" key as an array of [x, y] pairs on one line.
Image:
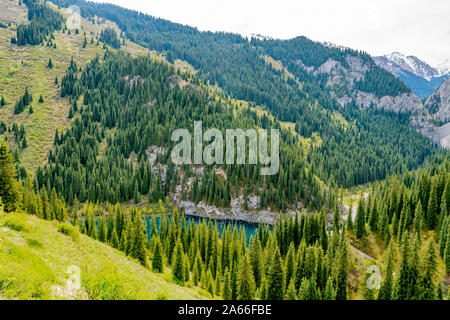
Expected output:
{"points": [[412, 27]]}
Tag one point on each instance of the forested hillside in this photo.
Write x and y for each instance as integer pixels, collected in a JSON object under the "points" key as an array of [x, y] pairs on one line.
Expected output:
{"points": [[122, 106], [86, 119], [238, 67]]}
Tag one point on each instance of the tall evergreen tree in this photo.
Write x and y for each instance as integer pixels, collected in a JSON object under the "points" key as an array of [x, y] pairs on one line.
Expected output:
{"points": [[9, 187], [178, 263], [361, 219], [385, 292], [246, 282], [157, 260], [432, 208], [275, 277]]}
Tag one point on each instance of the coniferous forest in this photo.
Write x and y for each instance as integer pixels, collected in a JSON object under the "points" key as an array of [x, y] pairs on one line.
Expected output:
{"points": [[358, 188]]}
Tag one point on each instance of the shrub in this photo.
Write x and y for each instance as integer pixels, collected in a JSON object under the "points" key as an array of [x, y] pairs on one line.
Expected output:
{"points": [[17, 224], [69, 230]]}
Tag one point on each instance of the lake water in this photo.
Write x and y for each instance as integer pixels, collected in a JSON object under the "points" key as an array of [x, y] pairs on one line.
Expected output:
{"points": [[250, 228]]}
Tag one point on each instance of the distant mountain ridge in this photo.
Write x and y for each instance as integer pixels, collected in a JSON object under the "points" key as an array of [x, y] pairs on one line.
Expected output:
{"points": [[422, 78]]}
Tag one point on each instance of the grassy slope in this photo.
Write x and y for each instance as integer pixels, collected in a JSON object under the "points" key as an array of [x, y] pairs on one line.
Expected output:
{"points": [[35, 257], [26, 66]]}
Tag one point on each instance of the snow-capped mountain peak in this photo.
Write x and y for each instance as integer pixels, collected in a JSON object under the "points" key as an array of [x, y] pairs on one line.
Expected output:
{"points": [[412, 64], [444, 67]]}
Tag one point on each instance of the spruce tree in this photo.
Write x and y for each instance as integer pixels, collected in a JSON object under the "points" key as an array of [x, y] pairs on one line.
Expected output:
{"points": [[329, 292], [210, 282], [303, 291], [246, 282], [385, 292], [402, 282], [9, 187], [290, 263], [114, 239], [447, 253], [427, 290], [432, 208], [178, 263], [291, 293], [102, 230], [256, 261], [234, 280], [226, 291], [418, 220], [139, 248], [218, 284], [275, 277], [157, 260], [361, 219], [342, 269]]}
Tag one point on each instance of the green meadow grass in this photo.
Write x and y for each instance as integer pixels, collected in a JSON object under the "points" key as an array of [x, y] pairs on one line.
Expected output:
{"points": [[35, 256]]}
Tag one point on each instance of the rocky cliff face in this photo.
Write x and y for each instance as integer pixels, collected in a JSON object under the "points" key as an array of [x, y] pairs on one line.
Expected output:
{"points": [[429, 118], [438, 103], [438, 106], [342, 82]]}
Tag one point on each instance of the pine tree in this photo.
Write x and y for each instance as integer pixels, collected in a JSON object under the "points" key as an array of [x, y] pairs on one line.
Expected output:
{"points": [[218, 284], [447, 253], [226, 291], [427, 290], [9, 187], [136, 196], [431, 216], [385, 292], [291, 292], [349, 219], [197, 268], [2, 102], [256, 261], [210, 282], [402, 282], [342, 269], [178, 263], [41, 99], [157, 261], [367, 292], [50, 63], [246, 282], [234, 280], [83, 229], [114, 239], [418, 220], [187, 268], [290, 263], [275, 278], [102, 230], [303, 291], [329, 292], [336, 217], [139, 242], [361, 219], [439, 292]]}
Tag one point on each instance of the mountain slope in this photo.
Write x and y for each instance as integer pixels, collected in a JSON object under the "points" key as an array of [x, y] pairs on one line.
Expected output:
{"points": [[438, 104], [422, 78], [26, 67], [243, 70], [36, 259]]}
